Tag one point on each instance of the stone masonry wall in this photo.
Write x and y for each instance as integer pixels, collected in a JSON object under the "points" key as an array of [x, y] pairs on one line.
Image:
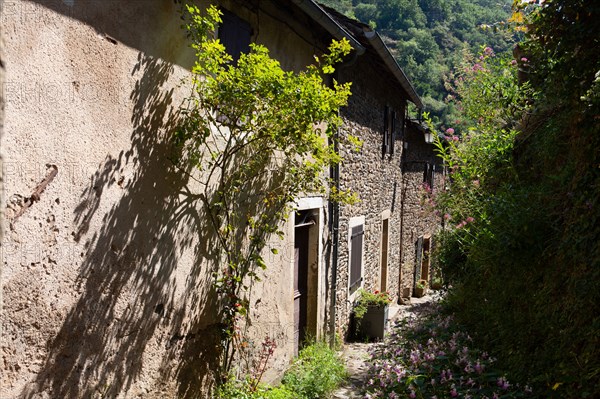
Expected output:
{"points": [[375, 178], [418, 218]]}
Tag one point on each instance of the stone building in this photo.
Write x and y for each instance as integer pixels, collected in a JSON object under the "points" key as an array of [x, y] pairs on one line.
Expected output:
{"points": [[106, 279], [379, 238]]}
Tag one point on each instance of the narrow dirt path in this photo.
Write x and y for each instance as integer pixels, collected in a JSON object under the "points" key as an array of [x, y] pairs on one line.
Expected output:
{"points": [[356, 354]]}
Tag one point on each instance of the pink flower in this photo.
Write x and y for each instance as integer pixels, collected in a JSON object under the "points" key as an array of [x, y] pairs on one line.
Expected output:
{"points": [[450, 131], [454, 138], [524, 59], [513, 62], [488, 51], [412, 394], [447, 216], [476, 183], [470, 219]]}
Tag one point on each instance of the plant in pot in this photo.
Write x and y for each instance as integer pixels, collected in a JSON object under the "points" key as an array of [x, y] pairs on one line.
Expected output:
{"points": [[421, 288], [370, 314], [436, 283]]}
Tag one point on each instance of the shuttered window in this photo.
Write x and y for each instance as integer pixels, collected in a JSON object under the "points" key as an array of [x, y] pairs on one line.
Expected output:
{"points": [[356, 248], [418, 260], [389, 130], [235, 34], [386, 129], [392, 132], [429, 174]]}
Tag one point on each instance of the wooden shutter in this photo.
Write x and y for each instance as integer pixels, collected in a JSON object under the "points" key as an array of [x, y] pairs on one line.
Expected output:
{"points": [[392, 133], [356, 246], [386, 129], [428, 174], [418, 260]]}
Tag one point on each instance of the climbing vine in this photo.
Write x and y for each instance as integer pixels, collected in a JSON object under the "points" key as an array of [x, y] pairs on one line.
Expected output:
{"points": [[257, 137]]}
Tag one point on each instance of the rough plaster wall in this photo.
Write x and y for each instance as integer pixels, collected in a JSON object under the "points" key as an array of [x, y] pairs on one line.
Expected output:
{"points": [[104, 279], [375, 179], [419, 218], [2, 203]]}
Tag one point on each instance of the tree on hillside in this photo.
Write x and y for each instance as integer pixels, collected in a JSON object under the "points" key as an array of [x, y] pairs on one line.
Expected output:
{"points": [[427, 38]]}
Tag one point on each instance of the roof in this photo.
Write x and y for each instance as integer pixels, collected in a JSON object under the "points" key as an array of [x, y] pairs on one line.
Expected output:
{"points": [[361, 37]]}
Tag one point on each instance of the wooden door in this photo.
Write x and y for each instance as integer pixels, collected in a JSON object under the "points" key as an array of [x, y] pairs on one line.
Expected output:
{"points": [[384, 254], [300, 285]]}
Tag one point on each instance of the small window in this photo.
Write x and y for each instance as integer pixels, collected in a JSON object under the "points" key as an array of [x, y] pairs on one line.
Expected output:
{"points": [[235, 34], [356, 249], [389, 130], [429, 175]]}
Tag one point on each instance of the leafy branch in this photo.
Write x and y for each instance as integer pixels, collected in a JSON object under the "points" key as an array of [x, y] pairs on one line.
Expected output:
{"points": [[258, 137]]}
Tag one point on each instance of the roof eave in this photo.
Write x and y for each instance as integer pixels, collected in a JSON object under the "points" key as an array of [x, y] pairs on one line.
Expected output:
{"points": [[328, 23], [383, 51]]}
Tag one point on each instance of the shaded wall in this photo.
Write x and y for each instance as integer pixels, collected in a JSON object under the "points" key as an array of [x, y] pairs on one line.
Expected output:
{"points": [[107, 277]]}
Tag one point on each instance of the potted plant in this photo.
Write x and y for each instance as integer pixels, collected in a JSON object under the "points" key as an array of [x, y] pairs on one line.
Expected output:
{"points": [[436, 283], [370, 314], [420, 288]]}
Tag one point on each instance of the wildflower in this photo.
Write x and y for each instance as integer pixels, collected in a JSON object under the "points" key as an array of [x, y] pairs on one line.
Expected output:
{"points": [[503, 383], [476, 183], [412, 394], [453, 392], [468, 368], [513, 62], [455, 138], [524, 59], [470, 219], [450, 131]]}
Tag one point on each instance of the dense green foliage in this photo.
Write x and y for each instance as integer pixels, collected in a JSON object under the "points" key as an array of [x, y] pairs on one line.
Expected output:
{"points": [[522, 249], [254, 138], [315, 374], [428, 37]]}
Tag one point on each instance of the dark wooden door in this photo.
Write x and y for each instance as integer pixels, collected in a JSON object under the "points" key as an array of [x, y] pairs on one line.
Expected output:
{"points": [[300, 285]]}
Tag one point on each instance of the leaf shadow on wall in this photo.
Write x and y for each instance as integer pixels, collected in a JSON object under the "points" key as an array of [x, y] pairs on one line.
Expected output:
{"points": [[145, 302]]}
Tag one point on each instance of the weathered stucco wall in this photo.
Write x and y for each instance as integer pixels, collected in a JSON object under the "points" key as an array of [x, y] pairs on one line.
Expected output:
{"points": [[107, 278]]}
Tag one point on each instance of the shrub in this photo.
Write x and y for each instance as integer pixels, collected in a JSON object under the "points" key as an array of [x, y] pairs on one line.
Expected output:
{"points": [[316, 373]]}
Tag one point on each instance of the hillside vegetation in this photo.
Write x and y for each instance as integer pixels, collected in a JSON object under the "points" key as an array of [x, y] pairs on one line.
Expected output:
{"points": [[521, 206], [429, 38]]}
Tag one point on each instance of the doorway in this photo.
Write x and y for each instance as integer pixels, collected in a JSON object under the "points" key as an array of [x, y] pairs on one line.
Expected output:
{"points": [[305, 277]]}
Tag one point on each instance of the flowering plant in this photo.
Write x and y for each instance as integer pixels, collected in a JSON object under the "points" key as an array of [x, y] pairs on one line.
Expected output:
{"points": [[367, 299]]}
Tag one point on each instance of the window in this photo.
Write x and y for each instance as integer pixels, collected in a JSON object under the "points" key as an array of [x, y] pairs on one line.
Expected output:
{"points": [[429, 174], [235, 34], [356, 243], [389, 130]]}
